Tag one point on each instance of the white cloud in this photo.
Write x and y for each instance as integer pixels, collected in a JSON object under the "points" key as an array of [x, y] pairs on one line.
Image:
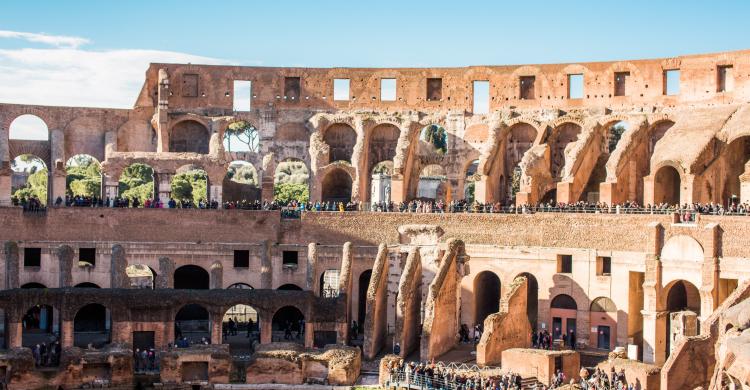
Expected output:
{"points": [[53, 40], [77, 77]]}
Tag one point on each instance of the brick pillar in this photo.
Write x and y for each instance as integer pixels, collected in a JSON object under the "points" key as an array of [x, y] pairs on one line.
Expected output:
{"points": [[10, 250], [165, 277], [266, 329], [216, 322], [118, 278], [65, 256], [5, 185], [121, 331], [565, 192], [168, 332], [266, 266], [67, 334], [15, 334], [308, 334], [311, 280]]}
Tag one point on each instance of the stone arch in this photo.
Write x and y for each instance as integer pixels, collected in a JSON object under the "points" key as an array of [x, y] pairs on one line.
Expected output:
{"points": [[40, 324], [380, 185], [603, 323], [30, 178], [92, 326], [241, 184], [192, 322], [28, 127], [288, 324], [667, 185], [190, 186], [33, 285], [189, 136], [606, 139], [341, 139], [737, 165], [240, 328], [336, 186], [682, 248], [86, 285], [382, 142], [85, 135], [83, 178], [679, 295], [141, 276], [191, 277], [137, 182], [486, 290], [521, 137], [433, 139], [564, 313], [289, 287], [433, 183]]}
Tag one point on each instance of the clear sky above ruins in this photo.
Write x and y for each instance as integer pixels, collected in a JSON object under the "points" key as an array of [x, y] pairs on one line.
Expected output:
{"points": [[94, 53]]}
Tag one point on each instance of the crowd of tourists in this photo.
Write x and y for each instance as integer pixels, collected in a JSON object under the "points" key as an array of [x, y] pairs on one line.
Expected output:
{"points": [[600, 380], [437, 376], [31, 204], [544, 340], [46, 355], [145, 360]]}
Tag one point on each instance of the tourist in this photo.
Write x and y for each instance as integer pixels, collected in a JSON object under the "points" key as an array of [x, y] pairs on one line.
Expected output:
{"points": [[397, 349]]}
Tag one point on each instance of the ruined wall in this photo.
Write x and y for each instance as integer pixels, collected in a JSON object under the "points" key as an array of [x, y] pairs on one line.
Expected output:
{"points": [[408, 304], [287, 363], [377, 294], [509, 328], [540, 363], [440, 323]]}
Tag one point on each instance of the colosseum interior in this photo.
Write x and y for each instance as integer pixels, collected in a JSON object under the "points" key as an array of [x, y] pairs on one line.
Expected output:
{"points": [[223, 294]]}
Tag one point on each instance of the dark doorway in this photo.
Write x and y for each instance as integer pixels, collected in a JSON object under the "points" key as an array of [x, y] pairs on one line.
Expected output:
{"points": [[486, 295], [364, 284], [191, 277], [288, 324], [91, 326], [532, 299], [143, 340], [192, 323], [556, 328], [602, 340], [290, 287], [337, 186]]}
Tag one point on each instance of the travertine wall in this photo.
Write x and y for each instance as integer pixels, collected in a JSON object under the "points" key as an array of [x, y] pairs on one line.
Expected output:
{"points": [[508, 328], [440, 324]]}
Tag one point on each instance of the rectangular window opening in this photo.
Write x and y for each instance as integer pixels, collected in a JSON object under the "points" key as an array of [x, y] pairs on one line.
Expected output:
{"points": [[434, 89], [341, 89], [672, 82], [292, 87], [387, 90], [564, 264], [481, 97], [575, 86], [87, 255], [32, 257], [190, 85], [242, 258], [603, 266], [242, 95], [290, 258], [726, 78], [621, 82], [526, 84]]}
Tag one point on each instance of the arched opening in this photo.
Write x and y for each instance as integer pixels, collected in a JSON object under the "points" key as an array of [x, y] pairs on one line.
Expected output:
{"points": [[241, 184], [737, 156], [241, 286], [141, 276], [192, 326], [191, 277], [337, 186], [190, 187], [560, 138], [29, 180], [83, 181], [564, 313], [241, 329], [380, 184], [329, 283], [290, 181], [364, 284], [610, 136], [189, 137], [520, 139], [290, 287], [682, 296], [433, 183], [41, 328], [667, 186], [434, 138], [486, 295], [288, 324], [91, 326], [603, 322], [86, 285], [241, 136], [532, 299], [136, 184], [341, 139], [470, 179], [28, 127], [33, 285]]}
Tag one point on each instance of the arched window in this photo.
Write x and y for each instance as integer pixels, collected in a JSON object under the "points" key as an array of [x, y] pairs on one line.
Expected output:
{"points": [[91, 326], [28, 127], [191, 277], [329, 283], [563, 301], [288, 324]]}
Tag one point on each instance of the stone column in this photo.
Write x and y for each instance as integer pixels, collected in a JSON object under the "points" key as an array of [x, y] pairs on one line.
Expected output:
{"points": [[163, 189], [11, 264], [118, 278], [65, 255], [311, 282], [266, 266], [217, 275], [165, 278]]}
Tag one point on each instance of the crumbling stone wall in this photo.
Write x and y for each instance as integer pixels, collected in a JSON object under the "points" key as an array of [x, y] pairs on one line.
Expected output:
{"points": [[408, 304], [288, 363], [377, 294], [508, 328], [440, 323]]}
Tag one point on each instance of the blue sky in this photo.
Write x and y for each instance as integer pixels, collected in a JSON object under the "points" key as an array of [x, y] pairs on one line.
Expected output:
{"points": [[95, 52]]}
